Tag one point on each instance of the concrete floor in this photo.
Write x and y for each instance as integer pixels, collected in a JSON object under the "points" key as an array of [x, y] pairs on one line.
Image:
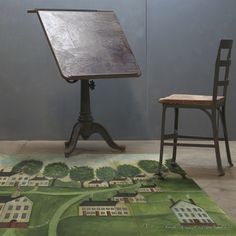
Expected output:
{"points": [[199, 163]]}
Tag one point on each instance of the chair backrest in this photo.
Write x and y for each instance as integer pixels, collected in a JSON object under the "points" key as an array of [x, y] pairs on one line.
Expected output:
{"points": [[222, 65]]}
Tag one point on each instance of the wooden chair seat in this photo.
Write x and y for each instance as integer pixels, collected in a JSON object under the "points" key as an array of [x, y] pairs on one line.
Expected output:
{"points": [[188, 99]]}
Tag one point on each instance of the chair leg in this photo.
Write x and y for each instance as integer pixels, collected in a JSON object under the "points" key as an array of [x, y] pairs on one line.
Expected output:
{"points": [[216, 142], [175, 134], [162, 138], [223, 120]]}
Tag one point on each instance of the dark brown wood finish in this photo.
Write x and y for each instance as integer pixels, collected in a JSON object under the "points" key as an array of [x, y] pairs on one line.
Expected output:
{"points": [[88, 44]]}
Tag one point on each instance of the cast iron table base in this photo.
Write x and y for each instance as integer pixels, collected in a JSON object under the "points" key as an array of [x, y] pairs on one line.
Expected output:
{"points": [[85, 126]]}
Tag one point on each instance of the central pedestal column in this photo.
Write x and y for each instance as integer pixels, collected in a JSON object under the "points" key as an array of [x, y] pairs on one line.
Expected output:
{"points": [[85, 126]]}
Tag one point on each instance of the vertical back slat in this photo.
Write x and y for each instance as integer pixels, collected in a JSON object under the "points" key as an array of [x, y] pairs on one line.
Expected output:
{"points": [[225, 44]]}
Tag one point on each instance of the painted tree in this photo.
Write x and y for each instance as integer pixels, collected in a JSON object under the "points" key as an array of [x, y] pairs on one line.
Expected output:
{"points": [[151, 166], [56, 170], [30, 167], [106, 173], [128, 170], [175, 168], [82, 174]]}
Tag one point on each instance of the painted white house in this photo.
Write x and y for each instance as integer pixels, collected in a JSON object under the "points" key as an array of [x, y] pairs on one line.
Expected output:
{"points": [[121, 181], [98, 184], [103, 208], [189, 214], [149, 188], [15, 212], [22, 179], [11, 179], [4, 176], [39, 181], [129, 197]]}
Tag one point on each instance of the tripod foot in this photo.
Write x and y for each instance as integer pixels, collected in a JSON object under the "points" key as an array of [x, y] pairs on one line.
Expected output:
{"points": [[71, 144], [97, 128], [86, 130]]}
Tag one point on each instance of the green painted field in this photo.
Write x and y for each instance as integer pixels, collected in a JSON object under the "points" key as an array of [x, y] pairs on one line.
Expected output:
{"points": [[55, 208], [151, 218], [135, 226]]}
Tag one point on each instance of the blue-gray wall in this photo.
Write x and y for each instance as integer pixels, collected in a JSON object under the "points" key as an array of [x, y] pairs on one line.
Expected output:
{"points": [[174, 41]]}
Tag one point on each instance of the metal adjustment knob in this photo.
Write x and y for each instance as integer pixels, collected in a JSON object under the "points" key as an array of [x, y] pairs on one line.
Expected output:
{"points": [[91, 84]]}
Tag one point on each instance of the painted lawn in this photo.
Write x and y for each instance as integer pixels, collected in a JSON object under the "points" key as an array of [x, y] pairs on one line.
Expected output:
{"points": [[149, 219], [55, 211], [134, 226]]}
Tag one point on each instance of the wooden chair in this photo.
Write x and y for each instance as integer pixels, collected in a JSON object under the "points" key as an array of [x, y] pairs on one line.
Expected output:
{"points": [[211, 105]]}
